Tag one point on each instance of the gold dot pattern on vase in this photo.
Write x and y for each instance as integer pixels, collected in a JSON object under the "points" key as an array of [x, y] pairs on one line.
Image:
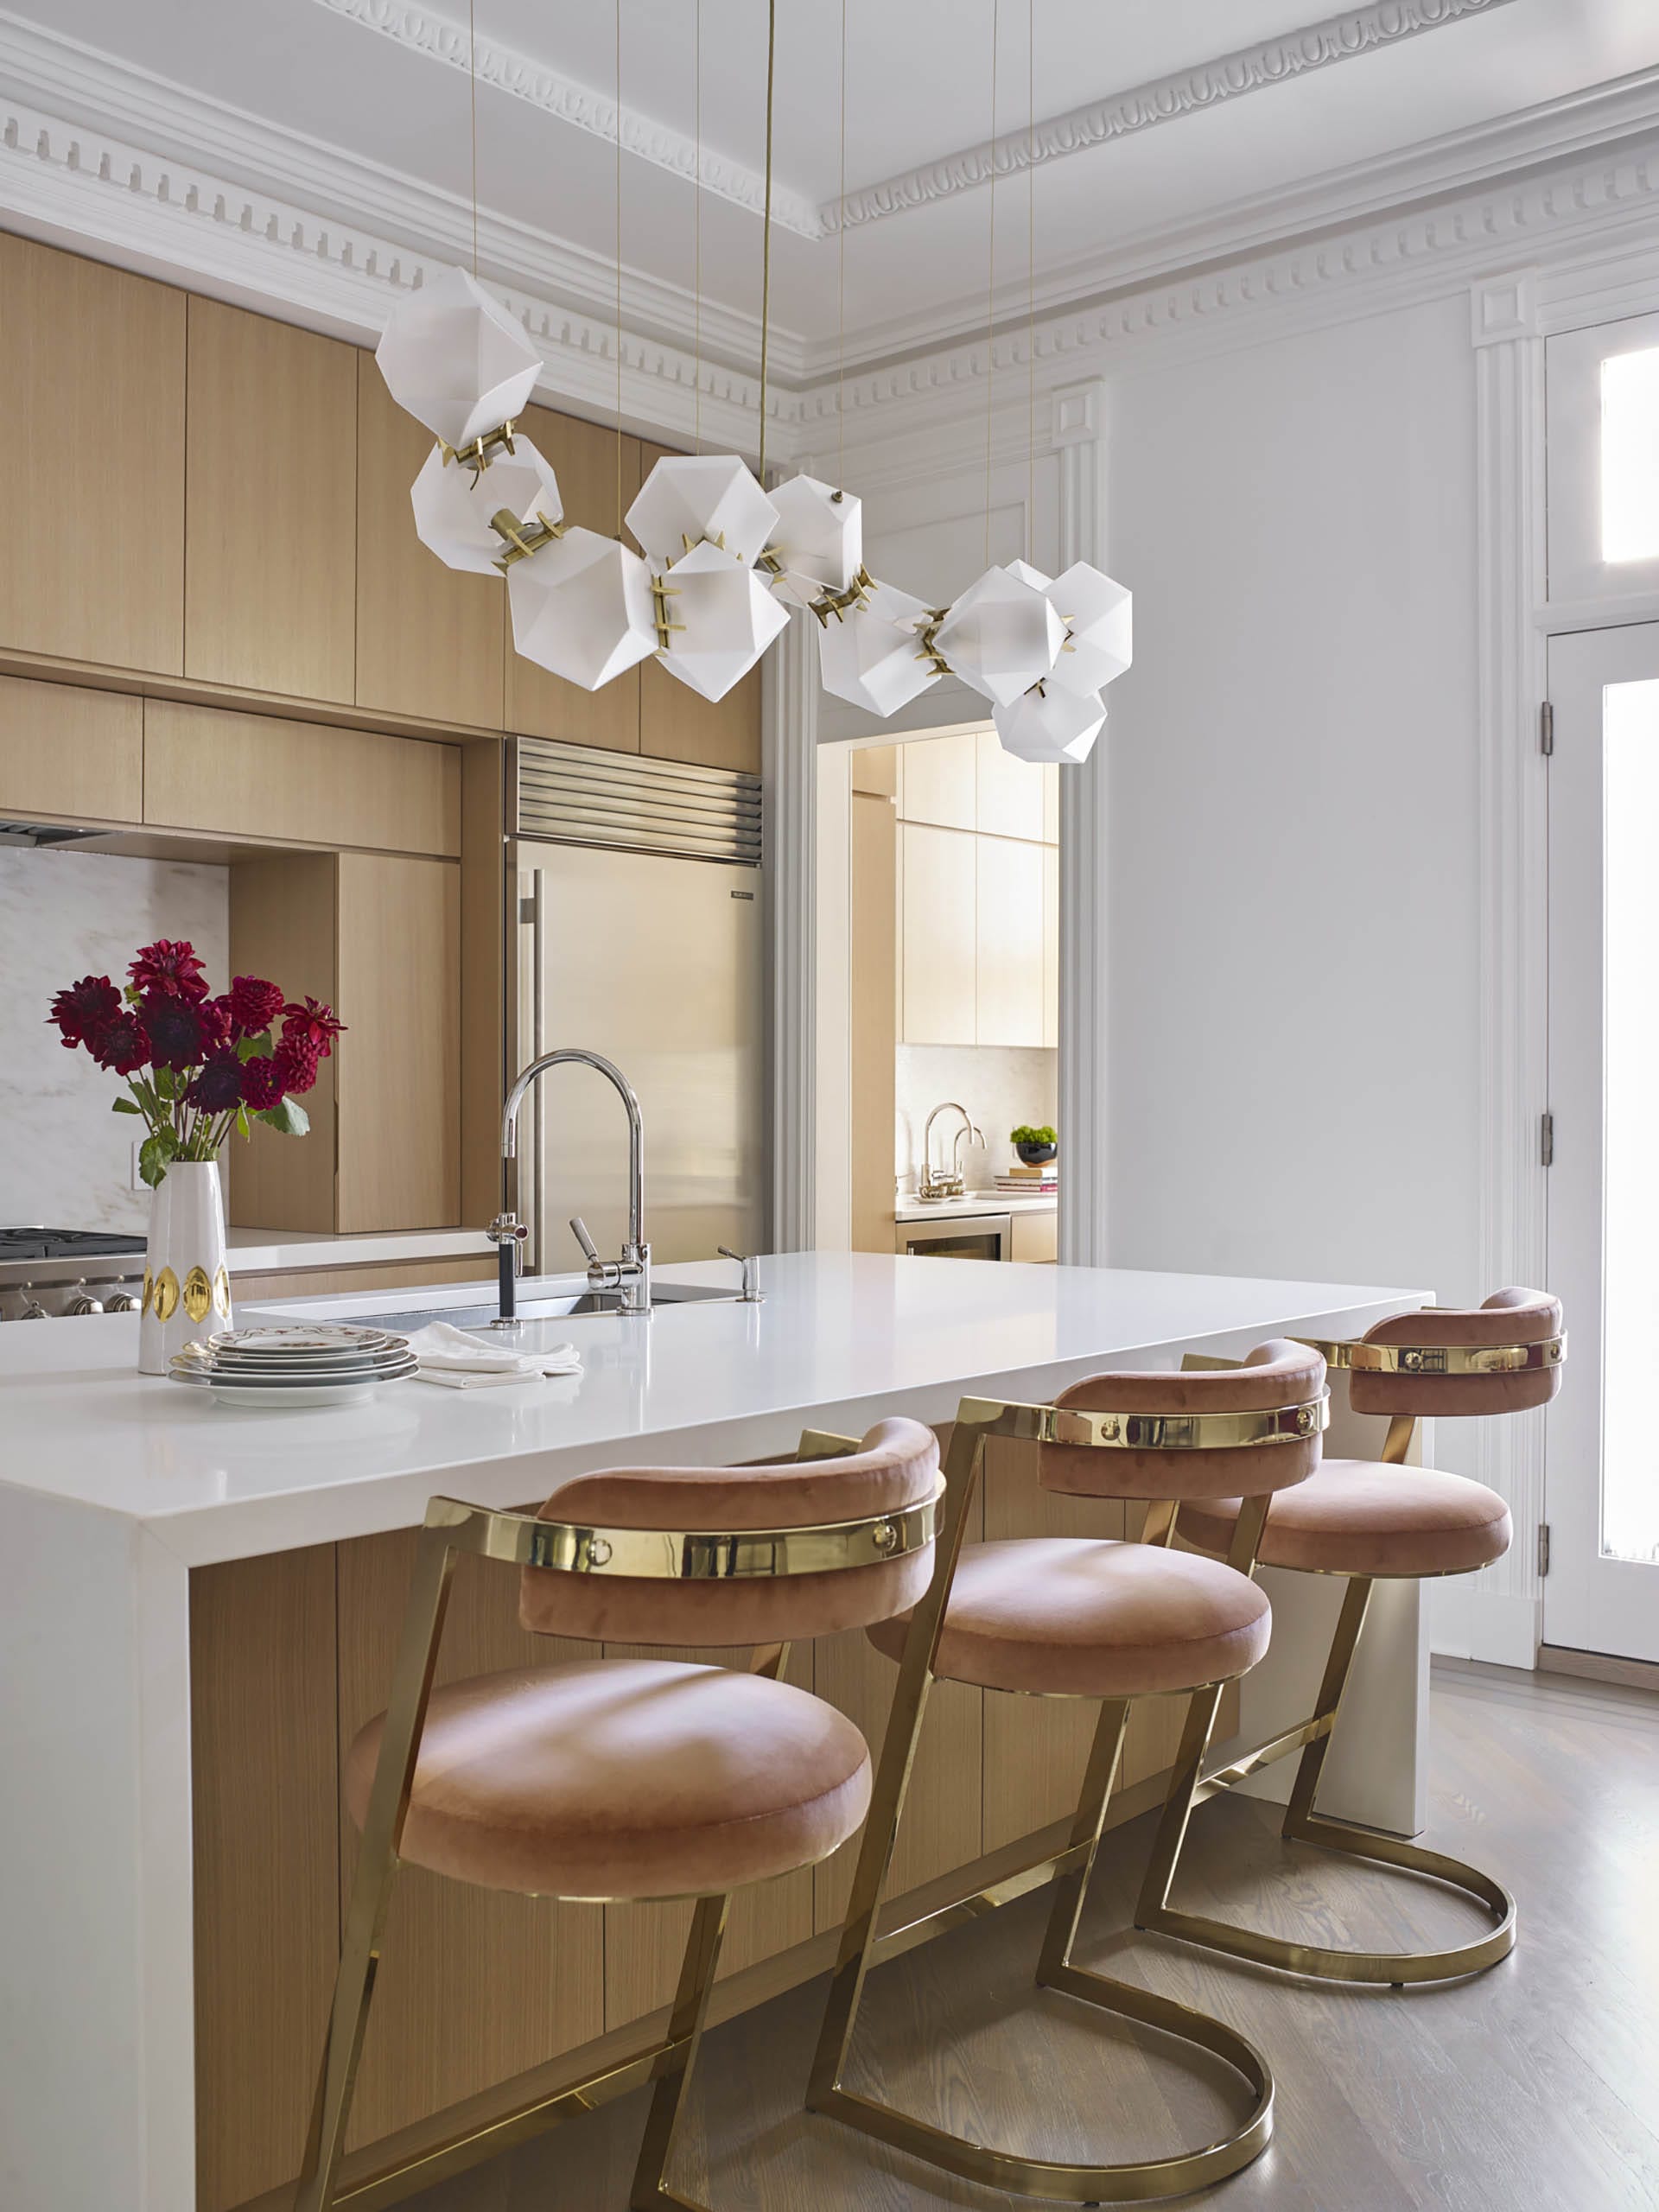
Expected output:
{"points": [[222, 1295], [149, 1290], [198, 1294], [165, 1299]]}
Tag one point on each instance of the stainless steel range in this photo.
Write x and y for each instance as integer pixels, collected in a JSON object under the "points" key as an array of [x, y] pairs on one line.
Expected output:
{"points": [[46, 1273]]}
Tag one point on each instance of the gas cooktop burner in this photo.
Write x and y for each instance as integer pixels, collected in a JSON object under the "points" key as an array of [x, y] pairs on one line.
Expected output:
{"points": [[65, 1244]]}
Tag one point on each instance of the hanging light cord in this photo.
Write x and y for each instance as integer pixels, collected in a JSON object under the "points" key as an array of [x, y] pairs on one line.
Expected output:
{"points": [[990, 291], [472, 71], [619, 266], [840, 278], [1031, 275], [766, 236], [697, 279]]}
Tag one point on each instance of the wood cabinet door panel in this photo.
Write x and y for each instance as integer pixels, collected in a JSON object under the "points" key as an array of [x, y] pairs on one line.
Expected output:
{"points": [[940, 895], [1035, 1236], [1009, 926], [91, 388], [429, 639], [285, 924], [873, 1038], [305, 782], [270, 507], [65, 752], [1009, 794], [939, 778], [585, 459]]}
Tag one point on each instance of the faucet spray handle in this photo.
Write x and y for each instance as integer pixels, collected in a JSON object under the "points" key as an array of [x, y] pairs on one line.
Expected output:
{"points": [[751, 1266], [590, 1250]]}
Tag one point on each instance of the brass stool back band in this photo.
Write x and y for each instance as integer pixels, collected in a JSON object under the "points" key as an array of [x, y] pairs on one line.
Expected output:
{"points": [[1439, 1359], [1124, 1432], [693, 1555]]}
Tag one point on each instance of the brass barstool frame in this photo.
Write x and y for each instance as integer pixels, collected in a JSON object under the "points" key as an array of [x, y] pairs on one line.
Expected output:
{"points": [[865, 1943], [524, 1540], [1191, 1783]]}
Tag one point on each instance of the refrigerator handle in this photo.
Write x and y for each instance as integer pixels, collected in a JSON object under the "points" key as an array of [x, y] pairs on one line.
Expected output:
{"points": [[537, 1255]]}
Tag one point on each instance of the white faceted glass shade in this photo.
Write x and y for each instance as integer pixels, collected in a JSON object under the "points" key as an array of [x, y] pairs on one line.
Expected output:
{"points": [[819, 539], [730, 619], [871, 656], [582, 608], [1001, 636], [1101, 640], [700, 495], [454, 503], [1050, 725], [456, 359]]}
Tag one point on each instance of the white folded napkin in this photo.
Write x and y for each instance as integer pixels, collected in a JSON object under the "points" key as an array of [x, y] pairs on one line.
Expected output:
{"points": [[462, 1362]]}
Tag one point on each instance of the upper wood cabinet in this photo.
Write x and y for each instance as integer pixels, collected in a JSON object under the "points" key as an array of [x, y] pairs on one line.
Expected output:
{"points": [[259, 776], [1051, 945], [586, 458], [428, 638], [937, 781], [1008, 801], [876, 768], [939, 894], [68, 752], [676, 723], [92, 393], [1010, 932], [270, 506]]}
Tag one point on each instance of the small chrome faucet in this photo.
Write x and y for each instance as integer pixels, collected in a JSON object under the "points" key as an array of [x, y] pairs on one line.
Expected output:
{"points": [[750, 1294], [948, 1184], [631, 1275]]}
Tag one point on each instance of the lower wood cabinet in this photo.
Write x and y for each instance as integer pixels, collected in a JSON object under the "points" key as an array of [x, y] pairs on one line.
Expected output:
{"points": [[290, 1656], [1035, 1236]]}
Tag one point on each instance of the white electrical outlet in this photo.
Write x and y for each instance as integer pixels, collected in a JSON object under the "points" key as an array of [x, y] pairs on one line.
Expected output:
{"points": [[137, 1182]]}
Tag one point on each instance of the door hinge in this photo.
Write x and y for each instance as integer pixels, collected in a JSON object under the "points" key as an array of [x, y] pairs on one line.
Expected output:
{"points": [[1546, 728], [1546, 1140], [1543, 1548]]}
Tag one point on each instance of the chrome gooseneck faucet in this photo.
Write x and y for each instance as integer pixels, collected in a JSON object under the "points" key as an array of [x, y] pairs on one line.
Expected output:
{"points": [[948, 1184], [631, 1275]]}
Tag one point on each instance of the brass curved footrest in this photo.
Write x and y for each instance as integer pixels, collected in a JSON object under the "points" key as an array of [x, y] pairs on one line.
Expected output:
{"points": [[1396, 1968], [1136, 2182]]}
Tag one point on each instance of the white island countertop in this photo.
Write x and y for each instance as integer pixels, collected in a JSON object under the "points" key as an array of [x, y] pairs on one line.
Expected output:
{"points": [[262, 1251], [841, 1339]]}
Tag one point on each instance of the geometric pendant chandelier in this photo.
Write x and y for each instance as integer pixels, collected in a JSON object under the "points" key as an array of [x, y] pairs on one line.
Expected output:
{"points": [[722, 560]]}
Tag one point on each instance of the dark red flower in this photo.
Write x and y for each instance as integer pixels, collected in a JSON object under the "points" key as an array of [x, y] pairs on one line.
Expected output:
{"points": [[261, 1085], [218, 1086], [176, 1040], [312, 1022], [123, 1044], [169, 970], [296, 1062], [218, 1023], [255, 1004], [85, 1009]]}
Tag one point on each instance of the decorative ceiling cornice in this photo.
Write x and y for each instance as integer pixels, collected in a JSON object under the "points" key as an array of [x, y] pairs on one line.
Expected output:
{"points": [[1229, 77], [439, 38]]}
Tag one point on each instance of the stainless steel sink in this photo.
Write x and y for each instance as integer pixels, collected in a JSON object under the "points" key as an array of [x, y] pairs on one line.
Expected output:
{"points": [[567, 1305]]}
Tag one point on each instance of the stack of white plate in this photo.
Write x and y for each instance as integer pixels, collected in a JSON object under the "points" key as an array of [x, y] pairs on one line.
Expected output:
{"points": [[316, 1363]]}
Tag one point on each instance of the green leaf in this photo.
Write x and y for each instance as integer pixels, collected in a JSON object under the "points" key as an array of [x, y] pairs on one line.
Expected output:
{"points": [[126, 1106], [288, 1115], [242, 1121], [153, 1154], [248, 1048]]}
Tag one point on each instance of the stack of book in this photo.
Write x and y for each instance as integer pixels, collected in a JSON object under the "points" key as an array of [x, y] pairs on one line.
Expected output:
{"points": [[1031, 1182]]}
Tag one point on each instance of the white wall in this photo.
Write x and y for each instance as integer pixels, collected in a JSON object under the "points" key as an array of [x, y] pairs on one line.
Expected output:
{"points": [[65, 1156], [1294, 845]]}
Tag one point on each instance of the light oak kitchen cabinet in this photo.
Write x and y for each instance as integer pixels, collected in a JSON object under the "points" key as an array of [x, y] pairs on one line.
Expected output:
{"points": [[1009, 935], [270, 506], [92, 393], [938, 875], [70, 752]]}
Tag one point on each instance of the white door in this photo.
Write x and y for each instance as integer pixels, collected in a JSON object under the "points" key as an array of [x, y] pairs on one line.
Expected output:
{"points": [[1602, 1452]]}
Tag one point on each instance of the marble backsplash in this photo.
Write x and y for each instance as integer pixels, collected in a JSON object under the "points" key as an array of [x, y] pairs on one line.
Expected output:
{"points": [[1000, 1086], [65, 1159]]}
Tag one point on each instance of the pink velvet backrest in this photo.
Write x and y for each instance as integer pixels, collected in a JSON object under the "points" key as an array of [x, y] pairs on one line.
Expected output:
{"points": [[896, 1466], [1274, 1374], [1508, 1317]]}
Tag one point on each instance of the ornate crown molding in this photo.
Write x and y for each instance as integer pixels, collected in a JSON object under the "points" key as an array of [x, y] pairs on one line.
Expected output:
{"points": [[1229, 77], [522, 77]]}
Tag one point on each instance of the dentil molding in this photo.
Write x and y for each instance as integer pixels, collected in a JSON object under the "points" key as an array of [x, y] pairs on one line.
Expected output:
{"points": [[1229, 77]]}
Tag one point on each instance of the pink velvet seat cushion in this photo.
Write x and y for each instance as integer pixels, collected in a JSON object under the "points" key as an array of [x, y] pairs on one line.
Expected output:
{"points": [[623, 1778], [1078, 1617], [1359, 1516]]}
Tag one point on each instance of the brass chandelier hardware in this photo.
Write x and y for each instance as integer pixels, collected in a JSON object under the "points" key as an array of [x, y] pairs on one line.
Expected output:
{"points": [[587, 607]]}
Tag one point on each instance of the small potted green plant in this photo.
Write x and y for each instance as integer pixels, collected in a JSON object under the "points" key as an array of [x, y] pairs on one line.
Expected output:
{"points": [[1034, 1146]]}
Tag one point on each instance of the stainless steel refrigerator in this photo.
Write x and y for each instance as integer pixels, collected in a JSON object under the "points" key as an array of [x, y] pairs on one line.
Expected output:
{"points": [[639, 935]]}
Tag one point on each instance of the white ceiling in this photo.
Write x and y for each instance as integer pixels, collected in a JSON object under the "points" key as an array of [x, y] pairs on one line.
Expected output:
{"points": [[352, 93]]}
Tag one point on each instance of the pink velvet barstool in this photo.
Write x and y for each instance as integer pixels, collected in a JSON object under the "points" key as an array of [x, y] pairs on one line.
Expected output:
{"points": [[622, 1778], [1369, 1520], [1111, 1621]]}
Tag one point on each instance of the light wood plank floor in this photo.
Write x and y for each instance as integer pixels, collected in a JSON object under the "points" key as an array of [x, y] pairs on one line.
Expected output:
{"points": [[1533, 2088]]}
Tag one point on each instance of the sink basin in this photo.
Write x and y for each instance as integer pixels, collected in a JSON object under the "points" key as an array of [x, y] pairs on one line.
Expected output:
{"points": [[567, 1305]]}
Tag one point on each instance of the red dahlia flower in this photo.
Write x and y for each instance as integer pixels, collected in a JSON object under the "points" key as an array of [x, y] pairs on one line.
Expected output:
{"points": [[176, 1029], [218, 1086], [312, 1023], [217, 1025], [255, 1004], [84, 1010], [169, 970], [123, 1044], [296, 1062], [261, 1085]]}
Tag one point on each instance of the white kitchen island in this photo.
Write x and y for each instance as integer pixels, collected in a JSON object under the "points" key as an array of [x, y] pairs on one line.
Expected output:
{"points": [[116, 1489]]}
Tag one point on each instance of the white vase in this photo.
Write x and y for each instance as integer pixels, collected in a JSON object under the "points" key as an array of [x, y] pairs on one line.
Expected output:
{"points": [[186, 1286]]}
